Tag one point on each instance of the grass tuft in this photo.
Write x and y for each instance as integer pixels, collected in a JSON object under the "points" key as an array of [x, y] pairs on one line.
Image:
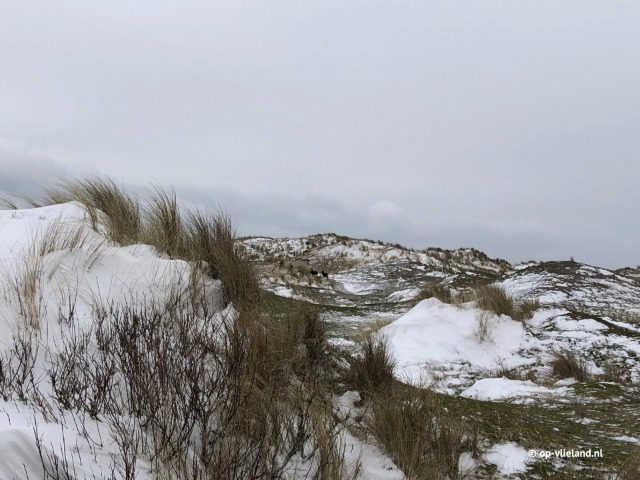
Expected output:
{"points": [[495, 299], [439, 291], [106, 203], [163, 228], [425, 441], [566, 364], [372, 370]]}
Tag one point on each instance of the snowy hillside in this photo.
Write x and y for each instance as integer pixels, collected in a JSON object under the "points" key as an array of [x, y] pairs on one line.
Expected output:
{"points": [[56, 273], [143, 349], [584, 313], [122, 362]]}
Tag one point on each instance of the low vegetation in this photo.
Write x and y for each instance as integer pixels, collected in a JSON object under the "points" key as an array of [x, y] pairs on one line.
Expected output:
{"points": [[199, 393], [495, 299], [439, 291], [412, 425], [566, 364], [158, 220], [371, 371], [420, 435]]}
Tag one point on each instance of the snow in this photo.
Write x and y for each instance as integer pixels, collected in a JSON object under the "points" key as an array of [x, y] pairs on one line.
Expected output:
{"points": [[369, 459], [433, 343], [85, 453], [82, 274], [435, 334], [504, 389], [625, 438], [283, 291], [402, 295], [586, 421], [341, 342], [510, 458]]}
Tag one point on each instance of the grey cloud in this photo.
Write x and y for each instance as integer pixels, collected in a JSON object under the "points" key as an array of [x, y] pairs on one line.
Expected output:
{"points": [[299, 117], [27, 173]]}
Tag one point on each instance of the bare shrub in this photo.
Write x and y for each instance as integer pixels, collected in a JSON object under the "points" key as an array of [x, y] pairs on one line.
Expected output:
{"points": [[82, 378], [245, 393], [566, 364], [18, 366], [54, 466], [198, 392]]}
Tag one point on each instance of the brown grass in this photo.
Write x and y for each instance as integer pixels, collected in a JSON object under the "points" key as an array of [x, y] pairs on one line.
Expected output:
{"points": [[372, 371], [423, 440], [193, 236], [106, 203], [163, 223], [439, 291], [630, 470], [495, 299], [566, 364]]}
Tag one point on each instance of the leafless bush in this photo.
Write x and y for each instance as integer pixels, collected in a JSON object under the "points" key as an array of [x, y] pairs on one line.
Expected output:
{"points": [[18, 366], [54, 467], [81, 377], [243, 393], [199, 393]]}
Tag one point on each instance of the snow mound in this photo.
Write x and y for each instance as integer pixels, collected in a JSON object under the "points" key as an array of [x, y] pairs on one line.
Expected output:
{"points": [[438, 336]]}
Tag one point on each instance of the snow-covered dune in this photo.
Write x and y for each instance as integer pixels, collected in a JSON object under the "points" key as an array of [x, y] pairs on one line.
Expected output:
{"points": [[435, 338], [55, 270]]}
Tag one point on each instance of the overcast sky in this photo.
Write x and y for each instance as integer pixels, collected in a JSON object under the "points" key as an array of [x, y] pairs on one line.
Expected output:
{"points": [[508, 126]]}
